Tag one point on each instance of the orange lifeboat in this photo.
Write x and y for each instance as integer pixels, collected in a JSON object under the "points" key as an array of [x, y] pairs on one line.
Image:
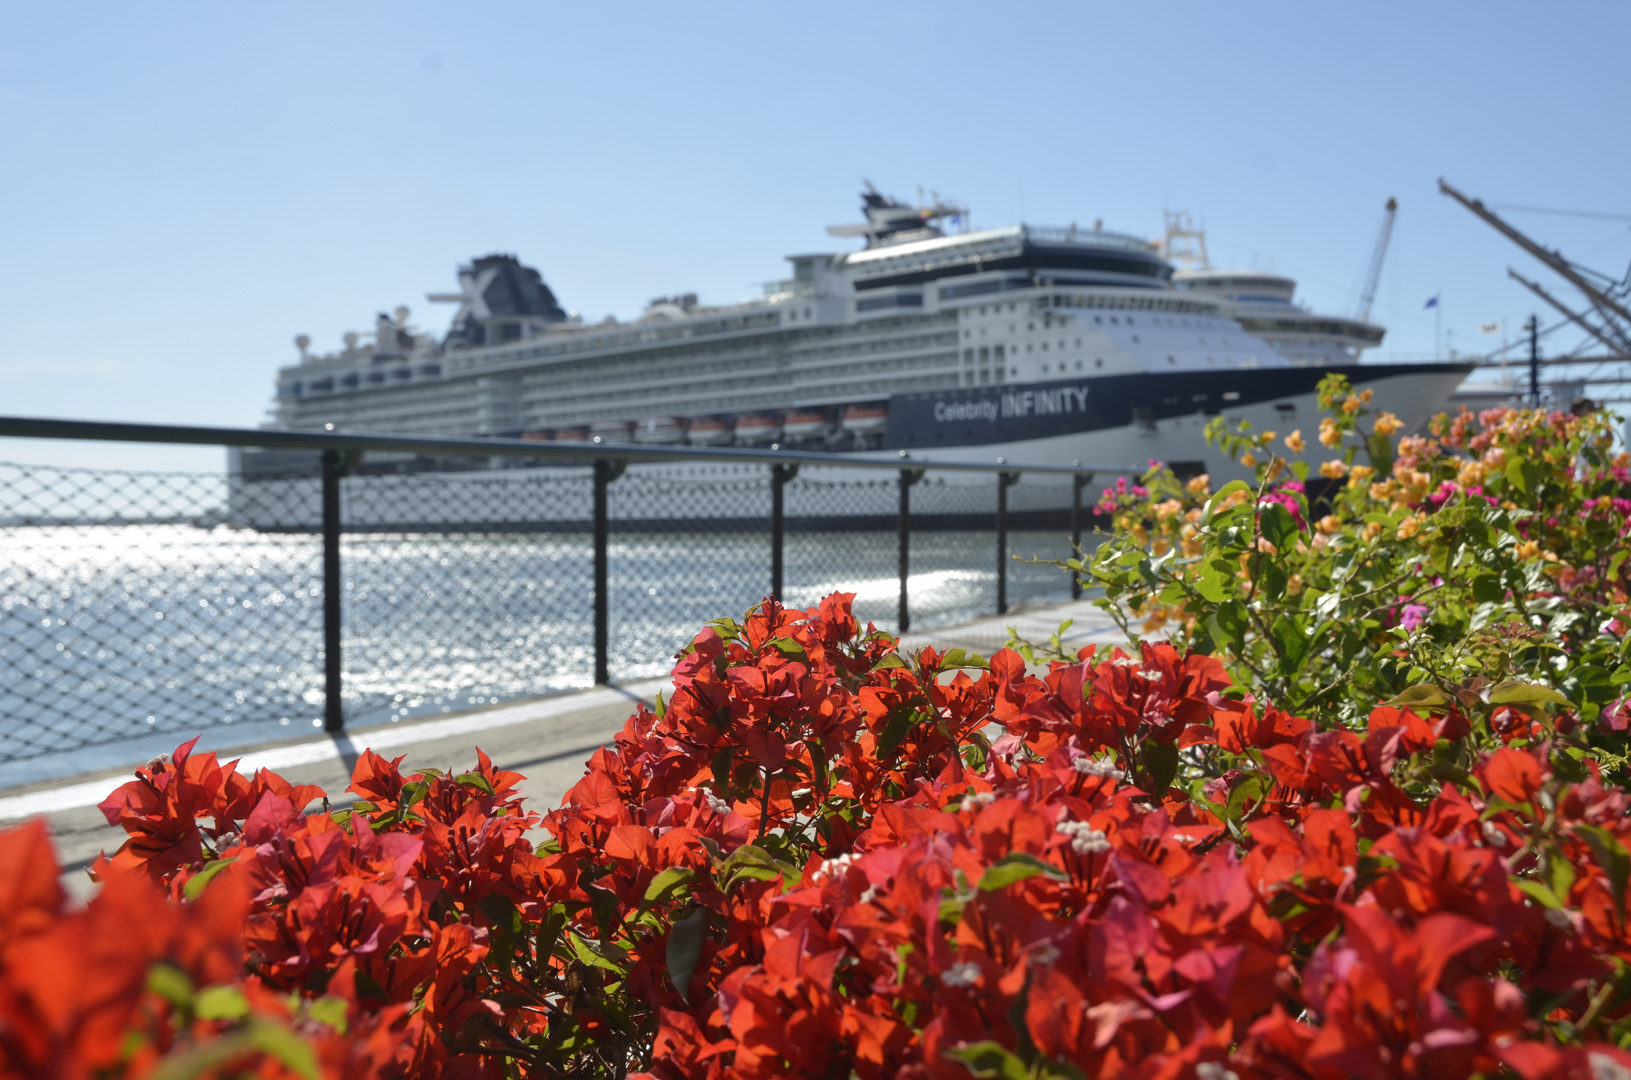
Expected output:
{"points": [[806, 424], [866, 419], [659, 430], [708, 431], [757, 429]]}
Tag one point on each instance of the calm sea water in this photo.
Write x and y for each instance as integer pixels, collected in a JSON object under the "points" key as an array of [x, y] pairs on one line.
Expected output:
{"points": [[119, 641]]}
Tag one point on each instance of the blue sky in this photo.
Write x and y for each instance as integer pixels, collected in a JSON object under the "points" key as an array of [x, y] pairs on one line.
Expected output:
{"points": [[184, 187]]}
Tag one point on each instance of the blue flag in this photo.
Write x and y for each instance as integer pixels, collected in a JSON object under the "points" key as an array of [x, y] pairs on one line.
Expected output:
{"points": [[1433, 302]]}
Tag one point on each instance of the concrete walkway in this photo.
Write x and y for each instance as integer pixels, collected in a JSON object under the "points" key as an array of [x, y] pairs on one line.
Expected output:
{"points": [[547, 739]]}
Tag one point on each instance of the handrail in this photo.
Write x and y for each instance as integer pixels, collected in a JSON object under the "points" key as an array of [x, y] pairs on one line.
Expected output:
{"points": [[101, 431]]}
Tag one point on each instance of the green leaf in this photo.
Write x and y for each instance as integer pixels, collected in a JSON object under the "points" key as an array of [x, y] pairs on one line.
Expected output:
{"points": [[600, 954], [1221, 494], [990, 1059], [787, 647], [294, 1052], [1487, 589], [170, 983], [499, 910], [1513, 692], [1231, 625], [1291, 642], [1380, 451], [753, 861], [1612, 857], [664, 884], [685, 941], [902, 721], [1214, 582], [196, 884], [329, 1011], [958, 658], [1421, 696], [1248, 789], [1540, 893], [1272, 582], [1159, 763], [1017, 866], [1276, 524], [222, 1003], [475, 780]]}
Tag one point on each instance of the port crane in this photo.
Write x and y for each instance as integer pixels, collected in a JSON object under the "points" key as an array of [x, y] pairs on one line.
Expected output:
{"points": [[1367, 295], [1605, 317]]}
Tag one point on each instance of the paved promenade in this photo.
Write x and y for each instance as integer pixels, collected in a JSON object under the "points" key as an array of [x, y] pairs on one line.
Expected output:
{"points": [[547, 739]]}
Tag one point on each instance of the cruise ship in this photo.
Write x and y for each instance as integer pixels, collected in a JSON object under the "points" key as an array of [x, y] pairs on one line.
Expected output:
{"points": [[933, 341]]}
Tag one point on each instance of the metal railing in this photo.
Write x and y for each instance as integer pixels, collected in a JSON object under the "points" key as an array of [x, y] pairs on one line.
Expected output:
{"points": [[504, 538]]}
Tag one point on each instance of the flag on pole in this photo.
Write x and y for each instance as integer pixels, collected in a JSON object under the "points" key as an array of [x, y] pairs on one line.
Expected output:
{"points": [[1432, 301]]}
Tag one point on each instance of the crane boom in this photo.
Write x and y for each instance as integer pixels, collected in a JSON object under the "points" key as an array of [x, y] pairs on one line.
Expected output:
{"points": [[1374, 274]]}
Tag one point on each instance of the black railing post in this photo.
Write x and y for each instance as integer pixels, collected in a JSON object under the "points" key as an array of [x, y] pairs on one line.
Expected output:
{"points": [[903, 524], [1077, 483], [603, 476], [779, 476], [1004, 481], [334, 467]]}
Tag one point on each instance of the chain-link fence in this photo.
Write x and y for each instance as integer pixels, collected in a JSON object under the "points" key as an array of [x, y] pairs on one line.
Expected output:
{"points": [[138, 606]]}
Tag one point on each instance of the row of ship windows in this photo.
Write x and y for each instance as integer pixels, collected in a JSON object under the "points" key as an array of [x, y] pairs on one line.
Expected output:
{"points": [[356, 380], [566, 391], [636, 337], [1136, 303], [744, 322], [731, 358], [540, 417], [731, 364], [601, 375], [559, 382]]}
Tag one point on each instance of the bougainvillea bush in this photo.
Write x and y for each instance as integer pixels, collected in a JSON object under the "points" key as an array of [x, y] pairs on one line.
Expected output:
{"points": [[1491, 547], [822, 856]]}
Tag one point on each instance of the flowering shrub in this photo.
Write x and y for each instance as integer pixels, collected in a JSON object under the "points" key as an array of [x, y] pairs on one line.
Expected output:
{"points": [[1437, 565], [814, 860], [1364, 815]]}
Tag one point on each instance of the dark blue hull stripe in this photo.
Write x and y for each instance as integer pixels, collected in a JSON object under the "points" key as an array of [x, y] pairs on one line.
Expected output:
{"points": [[981, 416]]}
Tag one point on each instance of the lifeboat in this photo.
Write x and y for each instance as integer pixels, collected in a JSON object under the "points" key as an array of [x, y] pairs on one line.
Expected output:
{"points": [[610, 431], [866, 419], [708, 431], [806, 424], [757, 429], [571, 435], [660, 430]]}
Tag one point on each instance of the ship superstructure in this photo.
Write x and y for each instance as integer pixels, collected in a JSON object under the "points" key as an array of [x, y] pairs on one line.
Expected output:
{"points": [[1056, 343]]}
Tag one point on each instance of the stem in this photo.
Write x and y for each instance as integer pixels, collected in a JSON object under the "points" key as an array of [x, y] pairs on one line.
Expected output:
{"points": [[1598, 1000], [764, 806]]}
